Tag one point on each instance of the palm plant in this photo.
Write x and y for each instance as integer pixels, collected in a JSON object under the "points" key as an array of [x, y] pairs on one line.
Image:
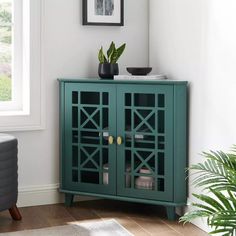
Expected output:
{"points": [[217, 174]]}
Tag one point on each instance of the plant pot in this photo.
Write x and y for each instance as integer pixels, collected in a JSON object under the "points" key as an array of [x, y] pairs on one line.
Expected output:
{"points": [[108, 70]]}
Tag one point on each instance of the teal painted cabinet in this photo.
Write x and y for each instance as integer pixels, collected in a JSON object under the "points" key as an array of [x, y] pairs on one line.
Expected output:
{"points": [[124, 140]]}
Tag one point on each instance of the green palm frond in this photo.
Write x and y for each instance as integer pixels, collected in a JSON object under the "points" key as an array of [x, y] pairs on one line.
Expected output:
{"points": [[217, 174], [219, 170], [190, 216]]}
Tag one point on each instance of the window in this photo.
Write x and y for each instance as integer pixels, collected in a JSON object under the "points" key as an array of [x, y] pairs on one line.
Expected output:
{"points": [[21, 98], [5, 50], [13, 52]]}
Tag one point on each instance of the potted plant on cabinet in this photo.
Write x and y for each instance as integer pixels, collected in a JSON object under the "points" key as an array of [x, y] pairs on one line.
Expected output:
{"points": [[108, 66], [217, 175]]}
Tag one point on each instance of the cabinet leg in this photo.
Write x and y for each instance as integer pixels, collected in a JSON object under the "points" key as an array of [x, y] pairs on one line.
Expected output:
{"points": [[170, 213], [69, 199], [15, 214]]}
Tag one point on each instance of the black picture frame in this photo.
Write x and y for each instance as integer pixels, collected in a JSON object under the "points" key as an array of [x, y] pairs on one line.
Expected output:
{"points": [[86, 15]]}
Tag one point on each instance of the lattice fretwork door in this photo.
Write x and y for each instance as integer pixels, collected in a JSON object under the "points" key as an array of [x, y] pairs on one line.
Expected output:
{"points": [[90, 120], [145, 142]]}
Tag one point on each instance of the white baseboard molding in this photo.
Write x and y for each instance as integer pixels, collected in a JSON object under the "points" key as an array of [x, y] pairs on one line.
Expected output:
{"points": [[43, 195], [200, 223]]}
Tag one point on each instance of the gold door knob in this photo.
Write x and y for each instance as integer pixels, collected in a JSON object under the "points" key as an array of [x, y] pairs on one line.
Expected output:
{"points": [[110, 140], [119, 140]]}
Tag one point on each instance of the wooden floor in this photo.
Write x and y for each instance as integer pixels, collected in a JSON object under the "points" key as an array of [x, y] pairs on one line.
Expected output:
{"points": [[139, 219]]}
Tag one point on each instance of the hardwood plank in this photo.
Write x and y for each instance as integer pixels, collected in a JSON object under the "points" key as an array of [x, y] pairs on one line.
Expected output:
{"points": [[139, 219]]}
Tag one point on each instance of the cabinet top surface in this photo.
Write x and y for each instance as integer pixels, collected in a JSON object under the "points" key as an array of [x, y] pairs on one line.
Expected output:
{"points": [[123, 81]]}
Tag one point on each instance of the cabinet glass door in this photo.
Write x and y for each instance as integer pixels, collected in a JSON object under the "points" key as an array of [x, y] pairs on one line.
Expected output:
{"points": [[145, 141], [90, 118]]}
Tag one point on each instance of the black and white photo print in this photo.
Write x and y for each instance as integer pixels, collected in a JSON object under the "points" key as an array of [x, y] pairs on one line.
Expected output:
{"points": [[104, 7], [103, 12]]}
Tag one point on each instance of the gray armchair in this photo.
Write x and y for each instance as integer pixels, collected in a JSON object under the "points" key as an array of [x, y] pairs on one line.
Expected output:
{"points": [[8, 175]]}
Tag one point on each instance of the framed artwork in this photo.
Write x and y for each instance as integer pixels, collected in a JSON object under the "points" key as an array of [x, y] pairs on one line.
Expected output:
{"points": [[103, 12]]}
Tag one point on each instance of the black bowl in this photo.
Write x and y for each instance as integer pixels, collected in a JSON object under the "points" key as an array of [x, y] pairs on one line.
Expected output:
{"points": [[139, 70]]}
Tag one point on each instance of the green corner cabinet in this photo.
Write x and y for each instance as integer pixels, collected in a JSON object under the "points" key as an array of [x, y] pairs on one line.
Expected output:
{"points": [[124, 140]]}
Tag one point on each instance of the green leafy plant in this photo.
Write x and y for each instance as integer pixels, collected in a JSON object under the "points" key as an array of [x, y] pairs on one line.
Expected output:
{"points": [[217, 175], [113, 54]]}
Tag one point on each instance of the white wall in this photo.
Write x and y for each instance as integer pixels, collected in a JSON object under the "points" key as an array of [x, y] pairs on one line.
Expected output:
{"points": [[196, 41], [189, 40], [70, 50]]}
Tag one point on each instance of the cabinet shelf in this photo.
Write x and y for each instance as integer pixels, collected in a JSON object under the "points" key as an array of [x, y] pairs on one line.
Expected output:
{"points": [[144, 108], [137, 140], [139, 149], [87, 105]]}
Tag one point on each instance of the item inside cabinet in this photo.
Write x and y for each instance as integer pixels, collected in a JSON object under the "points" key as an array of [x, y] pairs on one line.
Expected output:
{"points": [[145, 181], [106, 175]]}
